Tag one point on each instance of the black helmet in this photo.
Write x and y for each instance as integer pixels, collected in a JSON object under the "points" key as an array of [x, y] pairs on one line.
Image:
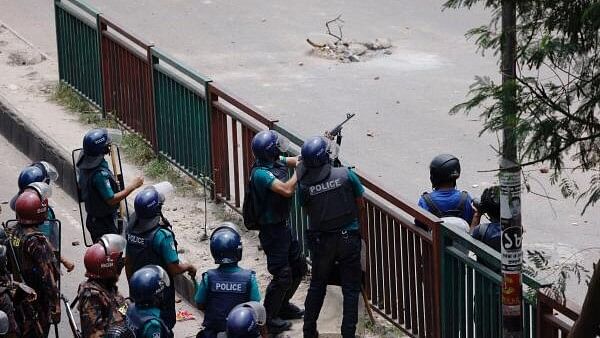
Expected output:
{"points": [[444, 168], [490, 202]]}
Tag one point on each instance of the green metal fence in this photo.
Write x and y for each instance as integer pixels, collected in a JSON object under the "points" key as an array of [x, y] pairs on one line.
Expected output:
{"points": [[78, 49], [471, 289], [182, 118]]}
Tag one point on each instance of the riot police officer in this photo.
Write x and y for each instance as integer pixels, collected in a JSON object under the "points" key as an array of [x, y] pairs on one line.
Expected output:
{"points": [[37, 264], [99, 188], [100, 303], [221, 289], [246, 320], [44, 172], [488, 232], [445, 200], [332, 198], [147, 288], [273, 189], [150, 240]]}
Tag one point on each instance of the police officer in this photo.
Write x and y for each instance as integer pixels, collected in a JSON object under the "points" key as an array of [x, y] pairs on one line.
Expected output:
{"points": [[488, 232], [150, 240], [44, 172], [99, 188], [221, 289], [100, 303], [273, 190], [246, 320], [6, 294], [332, 198], [445, 200], [147, 288], [37, 264]]}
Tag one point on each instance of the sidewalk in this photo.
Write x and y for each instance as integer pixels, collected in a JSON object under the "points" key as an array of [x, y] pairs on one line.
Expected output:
{"points": [[28, 80]]}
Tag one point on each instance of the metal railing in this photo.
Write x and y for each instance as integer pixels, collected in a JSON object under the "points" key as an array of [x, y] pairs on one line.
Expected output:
{"points": [[78, 49], [472, 289], [127, 79], [182, 115]]}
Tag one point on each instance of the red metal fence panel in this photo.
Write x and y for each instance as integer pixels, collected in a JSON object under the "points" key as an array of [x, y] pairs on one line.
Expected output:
{"points": [[128, 84]]}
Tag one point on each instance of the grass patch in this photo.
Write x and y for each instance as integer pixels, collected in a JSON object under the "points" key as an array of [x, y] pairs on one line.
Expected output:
{"points": [[133, 146], [75, 103]]}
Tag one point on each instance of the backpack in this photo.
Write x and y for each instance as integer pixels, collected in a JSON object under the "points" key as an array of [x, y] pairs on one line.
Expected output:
{"points": [[250, 211], [455, 212]]}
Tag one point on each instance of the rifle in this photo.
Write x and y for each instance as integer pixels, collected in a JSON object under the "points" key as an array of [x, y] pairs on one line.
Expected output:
{"points": [[337, 133], [114, 156], [72, 323]]}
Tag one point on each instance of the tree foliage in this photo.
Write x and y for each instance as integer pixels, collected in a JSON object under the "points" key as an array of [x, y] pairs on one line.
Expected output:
{"points": [[558, 87]]}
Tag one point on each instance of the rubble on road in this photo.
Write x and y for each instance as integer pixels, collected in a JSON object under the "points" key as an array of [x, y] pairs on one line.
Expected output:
{"points": [[346, 51]]}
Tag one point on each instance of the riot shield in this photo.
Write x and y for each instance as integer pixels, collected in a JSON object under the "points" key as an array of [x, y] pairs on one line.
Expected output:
{"points": [[117, 167]]}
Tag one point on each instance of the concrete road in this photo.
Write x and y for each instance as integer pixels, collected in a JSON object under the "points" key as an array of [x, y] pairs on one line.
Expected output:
{"points": [[255, 47], [11, 162]]}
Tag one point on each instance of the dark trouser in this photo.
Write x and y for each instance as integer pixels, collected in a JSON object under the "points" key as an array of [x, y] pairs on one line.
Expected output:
{"points": [[98, 226], [285, 263], [167, 309], [326, 250]]}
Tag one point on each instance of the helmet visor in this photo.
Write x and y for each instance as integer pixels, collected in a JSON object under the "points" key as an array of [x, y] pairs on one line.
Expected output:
{"points": [[163, 188], [50, 170], [113, 243], [115, 136], [283, 143], [164, 277], [259, 310], [43, 189]]}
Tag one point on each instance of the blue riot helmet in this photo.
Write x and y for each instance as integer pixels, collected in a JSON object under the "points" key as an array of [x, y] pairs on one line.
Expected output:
{"points": [[147, 286], [148, 203], [96, 143], [244, 320], [315, 152], [31, 174], [226, 244], [268, 144], [315, 165]]}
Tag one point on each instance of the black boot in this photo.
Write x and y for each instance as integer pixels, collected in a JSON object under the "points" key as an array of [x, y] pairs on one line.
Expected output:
{"points": [[290, 311], [277, 325]]}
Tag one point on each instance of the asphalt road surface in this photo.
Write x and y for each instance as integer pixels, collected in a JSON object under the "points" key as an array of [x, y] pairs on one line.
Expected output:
{"points": [[255, 48], [11, 162]]}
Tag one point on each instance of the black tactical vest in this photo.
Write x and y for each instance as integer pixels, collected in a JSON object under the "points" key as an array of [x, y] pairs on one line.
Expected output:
{"points": [[280, 205], [226, 290], [95, 205], [330, 203], [140, 250], [136, 322]]}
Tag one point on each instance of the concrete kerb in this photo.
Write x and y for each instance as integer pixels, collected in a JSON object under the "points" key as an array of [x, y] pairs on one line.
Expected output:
{"points": [[36, 144]]}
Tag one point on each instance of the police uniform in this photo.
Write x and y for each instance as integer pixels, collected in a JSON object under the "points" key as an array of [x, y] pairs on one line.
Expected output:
{"points": [[97, 186], [285, 260], [222, 289], [100, 307], [154, 245], [39, 269], [7, 305], [329, 199], [146, 323]]}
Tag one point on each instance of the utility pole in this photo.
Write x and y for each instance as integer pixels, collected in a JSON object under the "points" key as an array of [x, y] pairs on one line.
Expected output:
{"points": [[510, 183]]}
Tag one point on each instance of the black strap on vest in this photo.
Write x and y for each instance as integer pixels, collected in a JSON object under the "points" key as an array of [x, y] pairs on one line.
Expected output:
{"points": [[436, 211]]}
